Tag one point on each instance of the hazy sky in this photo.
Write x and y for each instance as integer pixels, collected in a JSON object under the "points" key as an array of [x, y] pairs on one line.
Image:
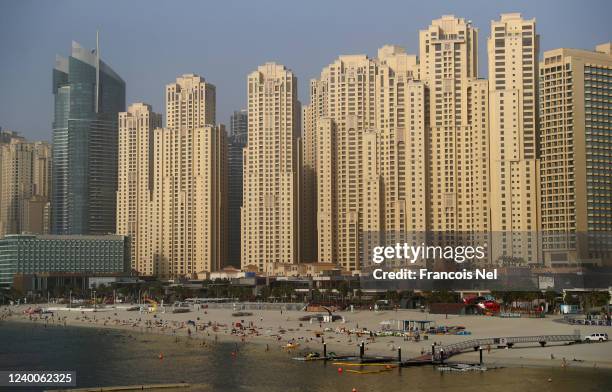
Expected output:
{"points": [[149, 43]]}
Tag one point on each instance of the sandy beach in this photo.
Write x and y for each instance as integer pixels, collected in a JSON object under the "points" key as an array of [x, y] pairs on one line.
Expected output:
{"points": [[273, 331]]}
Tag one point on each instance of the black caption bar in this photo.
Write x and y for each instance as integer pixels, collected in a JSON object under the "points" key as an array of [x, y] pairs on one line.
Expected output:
{"points": [[37, 378]]}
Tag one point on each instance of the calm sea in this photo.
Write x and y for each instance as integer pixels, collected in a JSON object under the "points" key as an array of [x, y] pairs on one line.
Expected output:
{"points": [[111, 358]]}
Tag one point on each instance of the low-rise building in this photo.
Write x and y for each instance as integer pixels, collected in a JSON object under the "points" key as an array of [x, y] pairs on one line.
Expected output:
{"points": [[302, 269], [40, 257]]}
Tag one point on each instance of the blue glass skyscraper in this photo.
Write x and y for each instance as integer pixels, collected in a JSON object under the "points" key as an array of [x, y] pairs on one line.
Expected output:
{"points": [[236, 143], [88, 97]]}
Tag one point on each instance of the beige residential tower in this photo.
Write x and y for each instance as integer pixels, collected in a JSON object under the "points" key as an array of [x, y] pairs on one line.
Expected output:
{"points": [[269, 214], [513, 48], [172, 197], [25, 178]]}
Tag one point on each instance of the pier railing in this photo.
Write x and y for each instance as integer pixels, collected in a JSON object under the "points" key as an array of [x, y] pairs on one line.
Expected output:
{"points": [[475, 344]]}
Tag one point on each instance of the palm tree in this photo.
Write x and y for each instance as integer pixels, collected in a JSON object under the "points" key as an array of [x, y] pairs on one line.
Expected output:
{"points": [[593, 299], [359, 295], [344, 289]]}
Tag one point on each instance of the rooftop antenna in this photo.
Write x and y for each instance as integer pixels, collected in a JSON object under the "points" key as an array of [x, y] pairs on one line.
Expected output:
{"points": [[97, 70]]}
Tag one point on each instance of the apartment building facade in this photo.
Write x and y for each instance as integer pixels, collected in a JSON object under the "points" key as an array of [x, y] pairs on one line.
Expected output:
{"points": [[575, 126], [513, 49], [269, 214], [25, 185]]}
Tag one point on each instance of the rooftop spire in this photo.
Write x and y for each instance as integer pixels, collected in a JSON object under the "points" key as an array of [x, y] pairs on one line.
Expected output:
{"points": [[97, 70]]}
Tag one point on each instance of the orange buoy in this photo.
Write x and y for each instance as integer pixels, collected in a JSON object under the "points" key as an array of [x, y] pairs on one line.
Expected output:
{"points": [[339, 370], [161, 356], [354, 390]]}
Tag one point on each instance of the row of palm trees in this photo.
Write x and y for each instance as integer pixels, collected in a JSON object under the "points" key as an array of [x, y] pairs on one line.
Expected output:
{"points": [[344, 294]]}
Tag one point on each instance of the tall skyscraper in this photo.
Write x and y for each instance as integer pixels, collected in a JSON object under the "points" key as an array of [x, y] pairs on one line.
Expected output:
{"points": [[269, 212], [237, 141], [395, 148], [88, 97], [513, 48], [189, 216], [239, 123], [308, 195], [190, 103], [25, 185], [135, 183], [190, 200], [576, 163], [172, 195], [340, 148], [458, 175], [403, 124], [365, 145]]}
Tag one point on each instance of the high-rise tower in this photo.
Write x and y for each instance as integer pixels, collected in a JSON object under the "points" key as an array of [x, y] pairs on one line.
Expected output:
{"points": [[239, 123], [270, 201], [25, 177], [189, 183], [576, 163], [88, 97], [458, 161], [237, 141], [136, 181], [513, 48]]}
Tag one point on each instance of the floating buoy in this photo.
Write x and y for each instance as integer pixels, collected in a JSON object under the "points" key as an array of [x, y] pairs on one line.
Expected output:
{"points": [[354, 390], [161, 356], [550, 380], [339, 370]]}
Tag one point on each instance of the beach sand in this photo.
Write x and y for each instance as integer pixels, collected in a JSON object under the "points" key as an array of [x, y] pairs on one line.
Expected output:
{"points": [[272, 330]]}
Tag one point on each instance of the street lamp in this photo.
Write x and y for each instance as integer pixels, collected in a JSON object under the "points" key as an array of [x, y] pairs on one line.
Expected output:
{"points": [[70, 300], [94, 295]]}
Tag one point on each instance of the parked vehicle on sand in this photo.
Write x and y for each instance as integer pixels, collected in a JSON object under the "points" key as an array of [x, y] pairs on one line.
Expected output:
{"points": [[596, 337]]}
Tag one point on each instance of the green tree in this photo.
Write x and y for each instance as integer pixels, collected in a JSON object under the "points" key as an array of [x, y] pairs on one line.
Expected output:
{"points": [[593, 299], [344, 289], [264, 293], [392, 296], [442, 296]]}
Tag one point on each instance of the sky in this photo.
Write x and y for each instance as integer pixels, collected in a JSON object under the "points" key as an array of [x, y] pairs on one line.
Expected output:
{"points": [[150, 43]]}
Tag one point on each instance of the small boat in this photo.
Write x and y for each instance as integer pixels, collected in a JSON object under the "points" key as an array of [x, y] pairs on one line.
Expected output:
{"points": [[180, 310], [312, 356], [386, 368], [462, 367], [290, 346]]}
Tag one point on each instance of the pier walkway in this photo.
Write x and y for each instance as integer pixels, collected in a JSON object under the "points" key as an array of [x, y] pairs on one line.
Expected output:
{"points": [[439, 354], [475, 344]]}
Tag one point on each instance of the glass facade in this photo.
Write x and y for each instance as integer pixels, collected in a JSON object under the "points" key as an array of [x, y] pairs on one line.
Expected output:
{"points": [[234, 198], [88, 97], [239, 122], [598, 128], [75, 254]]}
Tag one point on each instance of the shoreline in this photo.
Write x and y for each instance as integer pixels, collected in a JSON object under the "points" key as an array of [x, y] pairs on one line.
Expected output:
{"points": [[273, 330]]}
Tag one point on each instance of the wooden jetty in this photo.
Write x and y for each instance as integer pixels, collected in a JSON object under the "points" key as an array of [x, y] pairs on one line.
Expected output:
{"points": [[439, 354], [443, 352]]}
